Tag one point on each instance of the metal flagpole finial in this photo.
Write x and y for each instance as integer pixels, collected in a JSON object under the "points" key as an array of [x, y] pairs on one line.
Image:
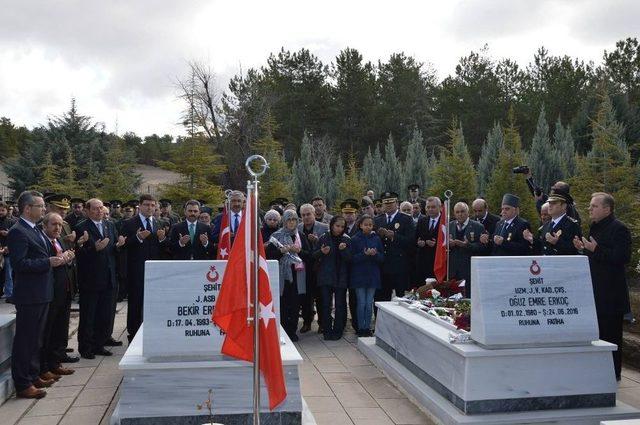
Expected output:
{"points": [[448, 194], [227, 193], [261, 163]]}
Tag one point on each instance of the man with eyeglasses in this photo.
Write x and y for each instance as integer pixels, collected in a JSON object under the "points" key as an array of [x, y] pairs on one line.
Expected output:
{"points": [[32, 260]]}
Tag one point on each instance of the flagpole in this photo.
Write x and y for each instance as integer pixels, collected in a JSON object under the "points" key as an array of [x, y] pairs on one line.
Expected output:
{"points": [[447, 214], [253, 208]]}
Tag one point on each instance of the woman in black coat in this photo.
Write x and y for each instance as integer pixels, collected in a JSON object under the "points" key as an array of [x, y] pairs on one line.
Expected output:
{"points": [[332, 258]]}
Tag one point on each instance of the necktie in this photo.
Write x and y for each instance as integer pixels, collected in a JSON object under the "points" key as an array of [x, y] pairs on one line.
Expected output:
{"points": [[236, 222], [432, 225], [56, 247], [388, 218], [100, 229], [40, 236], [192, 231], [149, 224]]}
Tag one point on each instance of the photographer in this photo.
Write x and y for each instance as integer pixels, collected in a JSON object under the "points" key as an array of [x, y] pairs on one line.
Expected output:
{"points": [[538, 193]]}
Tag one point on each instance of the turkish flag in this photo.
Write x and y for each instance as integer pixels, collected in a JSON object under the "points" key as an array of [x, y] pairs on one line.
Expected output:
{"points": [[224, 242], [440, 263], [233, 307]]}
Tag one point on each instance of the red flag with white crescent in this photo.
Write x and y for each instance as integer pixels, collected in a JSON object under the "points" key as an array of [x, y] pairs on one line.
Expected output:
{"points": [[233, 307]]}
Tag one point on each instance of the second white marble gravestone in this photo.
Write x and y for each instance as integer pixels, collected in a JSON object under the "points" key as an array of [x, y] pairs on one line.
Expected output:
{"points": [[179, 297], [532, 301]]}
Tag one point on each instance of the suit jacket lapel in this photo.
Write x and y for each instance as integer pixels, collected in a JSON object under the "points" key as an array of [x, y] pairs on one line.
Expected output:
{"points": [[34, 235]]}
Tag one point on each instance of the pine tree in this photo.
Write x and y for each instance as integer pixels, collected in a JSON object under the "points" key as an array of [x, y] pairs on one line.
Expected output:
{"points": [[454, 169], [352, 186], [565, 149], [416, 167], [392, 171], [608, 167], [504, 181], [542, 158], [305, 175], [48, 181], [68, 171], [276, 182], [196, 161], [490, 151], [119, 179]]}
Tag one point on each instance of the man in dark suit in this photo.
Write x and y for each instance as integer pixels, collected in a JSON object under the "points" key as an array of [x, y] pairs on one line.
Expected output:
{"points": [[508, 238], [427, 236], [31, 260], [484, 217], [56, 332], [557, 234], [189, 239], [145, 240], [311, 230], [609, 251], [236, 206], [464, 242], [76, 215], [97, 279], [398, 237]]}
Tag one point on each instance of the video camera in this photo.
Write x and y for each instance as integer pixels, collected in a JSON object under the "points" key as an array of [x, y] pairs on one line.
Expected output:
{"points": [[524, 169]]}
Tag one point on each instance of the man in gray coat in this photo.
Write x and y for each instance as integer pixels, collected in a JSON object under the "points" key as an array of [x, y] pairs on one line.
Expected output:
{"points": [[464, 243], [311, 229]]}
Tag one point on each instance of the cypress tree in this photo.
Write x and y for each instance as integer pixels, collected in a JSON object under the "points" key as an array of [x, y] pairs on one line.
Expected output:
{"points": [[542, 158], [565, 149], [490, 151], [416, 165], [504, 181], [334, 187], [454, 169], [392, 172], [305, 176]]}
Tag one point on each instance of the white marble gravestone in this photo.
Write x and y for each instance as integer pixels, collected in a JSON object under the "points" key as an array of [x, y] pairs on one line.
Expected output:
{"points": [[179, 297], [532, 301]]}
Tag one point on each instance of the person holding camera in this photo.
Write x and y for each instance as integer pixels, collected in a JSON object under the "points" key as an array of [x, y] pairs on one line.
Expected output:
{"points": [[541, 197]]}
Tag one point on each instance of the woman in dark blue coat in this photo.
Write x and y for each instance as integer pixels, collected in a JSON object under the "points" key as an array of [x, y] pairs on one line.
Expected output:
{"points": [[367, 255], [333, 257]]}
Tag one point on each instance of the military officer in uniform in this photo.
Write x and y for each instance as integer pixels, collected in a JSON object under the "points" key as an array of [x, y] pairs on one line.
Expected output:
{"points": [[77, 212], [509, 235], [398, 237], [414, 196], [556, 236], [166, 213]]}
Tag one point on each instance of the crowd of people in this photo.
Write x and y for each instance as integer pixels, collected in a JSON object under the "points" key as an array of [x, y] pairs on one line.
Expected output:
{"points": [[56, 248]]}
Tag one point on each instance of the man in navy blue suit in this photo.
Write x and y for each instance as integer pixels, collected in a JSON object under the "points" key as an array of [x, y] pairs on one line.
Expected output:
{"points": [[32, 262], [189, 239], [97, 279], [145, 240]]}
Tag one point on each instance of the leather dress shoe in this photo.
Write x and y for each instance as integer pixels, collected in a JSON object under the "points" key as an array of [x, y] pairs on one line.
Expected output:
{"points": [[41, 383], [69, 359], [68, 350], [60, 370], [305, 329], [31, 392], [88, 355], [103, 352], [47, 376], [113, 343]]}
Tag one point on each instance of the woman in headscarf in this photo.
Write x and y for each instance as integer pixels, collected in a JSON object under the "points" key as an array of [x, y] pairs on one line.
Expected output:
{"points": [[333, 256], [290, 251], [271, 224]]}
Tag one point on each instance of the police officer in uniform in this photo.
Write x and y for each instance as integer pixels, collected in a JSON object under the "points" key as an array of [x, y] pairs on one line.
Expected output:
{"points": [[398, 237]]}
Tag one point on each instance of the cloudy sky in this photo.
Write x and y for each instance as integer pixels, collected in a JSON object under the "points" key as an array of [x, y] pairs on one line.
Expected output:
{"points": [[120, 58]]}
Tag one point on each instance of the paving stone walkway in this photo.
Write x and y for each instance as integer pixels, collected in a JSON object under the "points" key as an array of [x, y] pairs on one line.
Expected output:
{"points": [[339, 384]]}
